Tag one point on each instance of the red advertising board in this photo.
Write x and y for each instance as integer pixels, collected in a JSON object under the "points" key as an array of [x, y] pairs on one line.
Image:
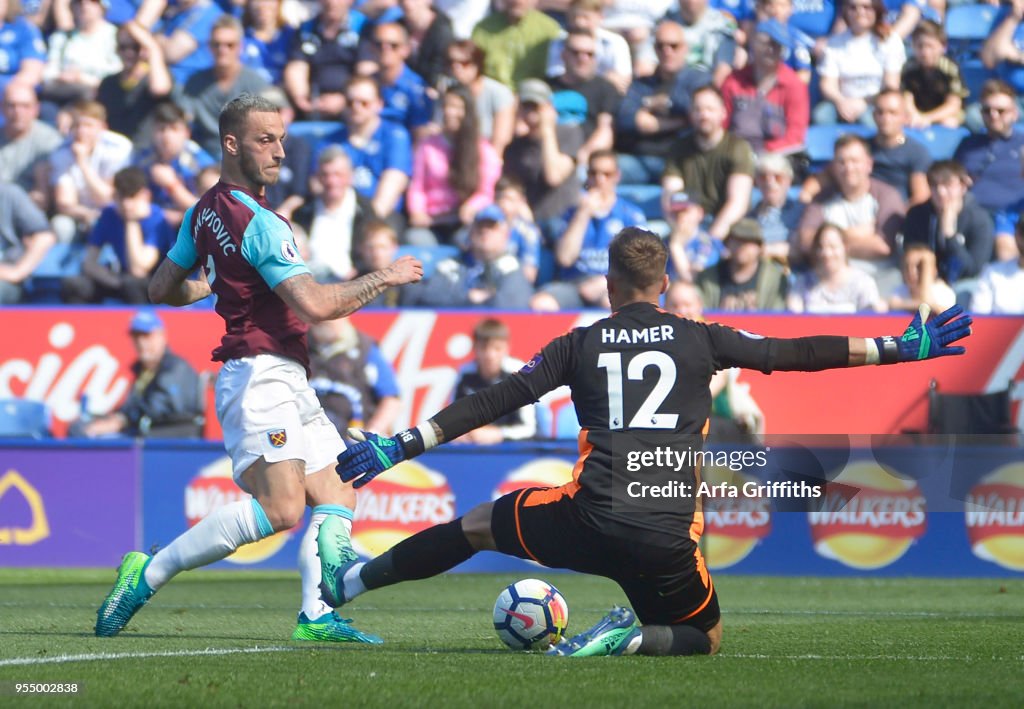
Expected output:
{"points": [[57, 355]]}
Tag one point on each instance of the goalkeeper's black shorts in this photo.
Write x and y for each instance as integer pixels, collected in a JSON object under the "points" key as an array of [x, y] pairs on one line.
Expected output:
{"points": [[665, 586]]}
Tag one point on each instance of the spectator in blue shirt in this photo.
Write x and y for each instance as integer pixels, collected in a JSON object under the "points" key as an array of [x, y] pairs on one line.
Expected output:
{"points": [[173, 162], [524, 235], [381, 151], [815, 17], [404, 92], [1004, 48], [656, 108], [322, 59], [22, 49], [120, 12], [582, 251], [798, 56], [691, 248], [993, 159], [268, 39], [139, 235], [184, 36]]}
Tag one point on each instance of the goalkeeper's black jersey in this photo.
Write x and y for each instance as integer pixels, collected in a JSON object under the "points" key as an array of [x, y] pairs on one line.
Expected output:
{"points": [[639, 380]]}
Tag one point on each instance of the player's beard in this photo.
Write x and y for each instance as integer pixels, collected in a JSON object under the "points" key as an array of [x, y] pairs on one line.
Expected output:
{"points": [[252, 172]]}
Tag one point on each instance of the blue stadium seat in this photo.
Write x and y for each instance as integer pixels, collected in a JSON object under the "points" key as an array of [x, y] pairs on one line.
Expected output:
{"points": [[61, 261], [312, 131], [429, 256], [940, 140], [547, 267], [974, 74], [647, 197], [545, 420], [313, 134], [968, 26], [821, 140], [22, 418]]}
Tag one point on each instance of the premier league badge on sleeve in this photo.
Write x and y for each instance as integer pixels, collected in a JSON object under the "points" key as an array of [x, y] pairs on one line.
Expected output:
{"points": [[532, 364], [277, 438], [289, 252]]}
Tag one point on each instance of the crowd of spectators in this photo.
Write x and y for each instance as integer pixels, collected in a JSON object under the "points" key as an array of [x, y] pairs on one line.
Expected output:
{"points": [[513, 138]]}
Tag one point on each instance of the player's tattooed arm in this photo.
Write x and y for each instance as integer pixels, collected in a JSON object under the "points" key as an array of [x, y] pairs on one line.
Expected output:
{"points": [[170, 285], [315, 302]]}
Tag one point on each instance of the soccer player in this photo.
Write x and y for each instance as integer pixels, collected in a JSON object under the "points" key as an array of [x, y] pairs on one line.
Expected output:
{"points": [[281, 443], [638, 376]]}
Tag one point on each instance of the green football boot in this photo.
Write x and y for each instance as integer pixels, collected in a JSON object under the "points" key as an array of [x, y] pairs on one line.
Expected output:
{"points": [[331, 628], [334, 546], [129, 594], [612, 635]]}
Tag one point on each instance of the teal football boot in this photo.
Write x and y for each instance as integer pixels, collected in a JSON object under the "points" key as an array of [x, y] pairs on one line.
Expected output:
{"points": [[129, 594], [331, 628], [615, 634]]}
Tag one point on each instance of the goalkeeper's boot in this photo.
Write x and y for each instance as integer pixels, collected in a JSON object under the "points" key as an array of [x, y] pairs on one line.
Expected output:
{"points": [[129, 594], [334, 546], [615, 634], [331, 628]]}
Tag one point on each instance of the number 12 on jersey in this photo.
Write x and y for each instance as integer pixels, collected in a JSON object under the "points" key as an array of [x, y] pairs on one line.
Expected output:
{"points": [[647, 415]]}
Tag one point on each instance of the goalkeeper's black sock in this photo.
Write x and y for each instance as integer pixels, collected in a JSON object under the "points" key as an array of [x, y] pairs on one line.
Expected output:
{"points": [[428, 553], [673, 640]]}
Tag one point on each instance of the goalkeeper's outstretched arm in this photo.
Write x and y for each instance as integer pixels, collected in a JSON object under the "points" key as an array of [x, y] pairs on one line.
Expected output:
{"points": [[922, 339]]}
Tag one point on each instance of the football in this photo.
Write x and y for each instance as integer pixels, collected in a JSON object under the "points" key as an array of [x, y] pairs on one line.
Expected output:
{"points": [[530, 615]]}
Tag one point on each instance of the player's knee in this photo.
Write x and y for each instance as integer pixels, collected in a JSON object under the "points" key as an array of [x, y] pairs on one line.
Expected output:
{"points": [[284, 513], [715, 636], [476, 525]]}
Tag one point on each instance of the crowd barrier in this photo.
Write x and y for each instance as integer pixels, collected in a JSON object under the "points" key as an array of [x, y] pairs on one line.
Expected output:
{"points": [[942, 509]]}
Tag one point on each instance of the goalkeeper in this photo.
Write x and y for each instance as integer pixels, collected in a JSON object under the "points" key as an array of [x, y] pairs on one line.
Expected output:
{"points": [[640, 372]]}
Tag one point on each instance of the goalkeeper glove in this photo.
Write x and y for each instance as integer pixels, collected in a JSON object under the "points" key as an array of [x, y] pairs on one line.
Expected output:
{"points": [[926, 339], [373, 454]]}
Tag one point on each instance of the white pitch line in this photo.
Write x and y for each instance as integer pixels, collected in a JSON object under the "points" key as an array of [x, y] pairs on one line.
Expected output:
{"points": [[96, 656]]}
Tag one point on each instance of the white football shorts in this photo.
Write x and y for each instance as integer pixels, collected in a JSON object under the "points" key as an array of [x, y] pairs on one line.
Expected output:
{"points": [[267, 409]]}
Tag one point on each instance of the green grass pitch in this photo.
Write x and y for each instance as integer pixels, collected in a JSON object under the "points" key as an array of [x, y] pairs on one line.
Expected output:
{"points": [[221, 639]]}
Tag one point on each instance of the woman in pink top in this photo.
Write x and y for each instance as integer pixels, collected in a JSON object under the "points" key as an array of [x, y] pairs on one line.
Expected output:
{"points": [[453, 173]]}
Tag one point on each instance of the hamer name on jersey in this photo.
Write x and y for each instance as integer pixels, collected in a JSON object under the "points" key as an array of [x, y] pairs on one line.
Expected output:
{"points": [[629, 336]]}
